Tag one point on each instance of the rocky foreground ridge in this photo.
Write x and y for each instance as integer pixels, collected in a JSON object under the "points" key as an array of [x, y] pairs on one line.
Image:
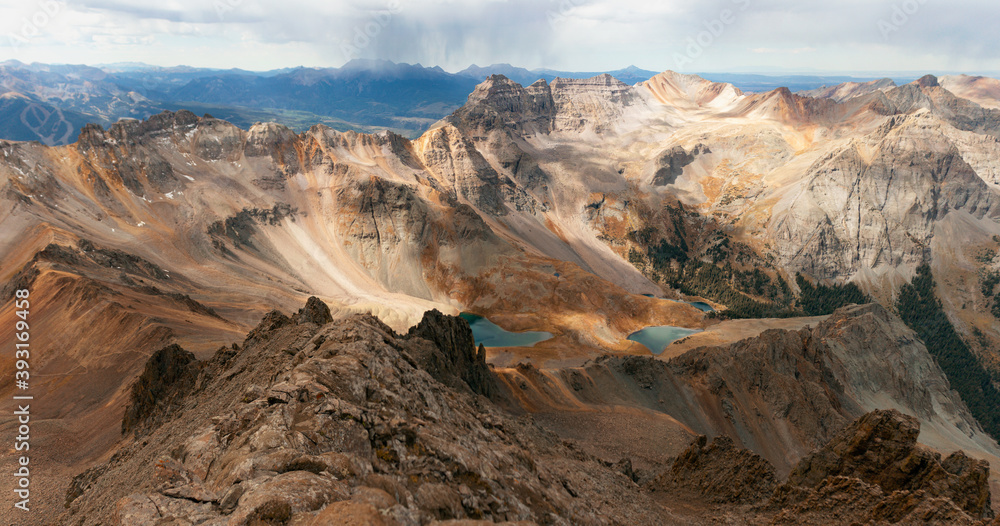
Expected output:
{"points": [[312, 420], [872, 472]]}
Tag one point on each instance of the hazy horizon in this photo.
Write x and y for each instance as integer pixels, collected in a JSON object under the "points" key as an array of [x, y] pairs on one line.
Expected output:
{"points": [[736, 71]]}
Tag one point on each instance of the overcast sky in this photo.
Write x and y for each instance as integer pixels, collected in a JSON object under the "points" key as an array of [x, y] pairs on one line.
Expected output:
{"points": [[578, 35]]}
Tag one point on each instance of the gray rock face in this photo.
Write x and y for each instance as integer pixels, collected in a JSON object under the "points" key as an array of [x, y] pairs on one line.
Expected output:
{"points": [[454, 158], [927, 94], [879, 212], [595, 104], [671, 164]]}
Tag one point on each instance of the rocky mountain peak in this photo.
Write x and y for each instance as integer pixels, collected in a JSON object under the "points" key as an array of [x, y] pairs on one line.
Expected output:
{"points": [[495, 85], [604, 79], [783, 92], [130, 131], [927, 81], [90, 136], [684, 90], [500, 102], [264, 135]]}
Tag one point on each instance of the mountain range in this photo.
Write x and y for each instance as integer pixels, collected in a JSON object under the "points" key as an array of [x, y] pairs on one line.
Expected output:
{"points": [[245, 323], [52, 103]]}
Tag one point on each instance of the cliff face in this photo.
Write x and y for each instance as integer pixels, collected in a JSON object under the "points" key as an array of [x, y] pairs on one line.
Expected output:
{"points": [[874, 205]]}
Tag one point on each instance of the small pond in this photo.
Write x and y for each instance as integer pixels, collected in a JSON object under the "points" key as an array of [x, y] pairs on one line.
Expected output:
{"points": [[491, 335], [657, 338], [700, 305]]}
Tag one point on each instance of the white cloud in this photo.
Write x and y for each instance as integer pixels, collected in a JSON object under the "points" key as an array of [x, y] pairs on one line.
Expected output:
{"points": [[787, 51], [566, 34]]}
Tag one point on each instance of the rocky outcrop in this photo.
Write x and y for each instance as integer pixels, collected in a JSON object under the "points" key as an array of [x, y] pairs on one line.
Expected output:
{"points": [[168, 375], [315, 311], [451, 356], [874, 471], [719, 472], [881, 449], [132, 131], [276, 142], [499, 102], [596, 104]]}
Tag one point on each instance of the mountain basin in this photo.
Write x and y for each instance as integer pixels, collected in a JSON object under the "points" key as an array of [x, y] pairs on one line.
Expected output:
{"points": [[656, 338], [492, 335]]}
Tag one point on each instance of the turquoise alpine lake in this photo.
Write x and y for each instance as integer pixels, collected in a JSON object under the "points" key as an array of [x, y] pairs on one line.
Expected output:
{"points": [[657, 338], [490, 334], [700, 305]]}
